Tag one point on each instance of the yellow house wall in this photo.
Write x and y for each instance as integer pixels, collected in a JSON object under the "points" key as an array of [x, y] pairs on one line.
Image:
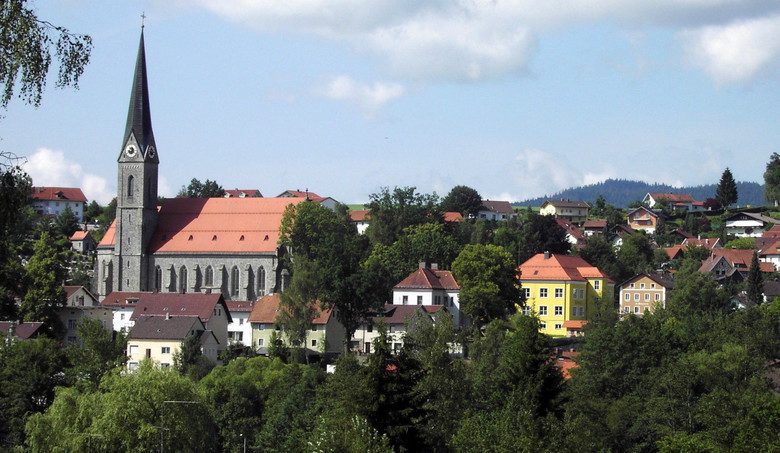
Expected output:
{"points": [[574, 307]]}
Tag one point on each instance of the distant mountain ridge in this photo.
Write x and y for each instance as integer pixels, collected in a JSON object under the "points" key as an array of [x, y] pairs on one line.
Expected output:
{"points": [[621, 192]]}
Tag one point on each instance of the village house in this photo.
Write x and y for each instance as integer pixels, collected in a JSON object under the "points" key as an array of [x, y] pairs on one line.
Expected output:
{"points": [[122, 304], [12, 330], [681, 201], [247, 193], [643, 293], [396, 319], [82, 242], [496, 210], [52, 201], [159, 338], [748, 224], [644, 219], [430, 286], [325, 336], [573, 211], [562, 288], [80, 303], [240, 329]]}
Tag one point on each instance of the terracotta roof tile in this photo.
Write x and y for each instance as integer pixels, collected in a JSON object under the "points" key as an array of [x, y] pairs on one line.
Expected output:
{"points": [[120, 298], [501, 207], [79, 235], [58, 193], [673, 197], [237, 306], [429, 279], [359, 215], [558, 267], [267, 309], [453, 217]]}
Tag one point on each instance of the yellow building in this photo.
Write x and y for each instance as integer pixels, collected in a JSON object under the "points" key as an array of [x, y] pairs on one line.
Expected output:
{"points": [[562, 291]]}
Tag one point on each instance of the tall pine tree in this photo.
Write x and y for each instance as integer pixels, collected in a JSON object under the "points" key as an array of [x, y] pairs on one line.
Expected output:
{"points": [[755, 282], [726, 192]]}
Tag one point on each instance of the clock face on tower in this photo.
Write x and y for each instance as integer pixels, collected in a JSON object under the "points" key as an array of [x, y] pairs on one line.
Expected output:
{"points": [[152, 152], [131, 151]]}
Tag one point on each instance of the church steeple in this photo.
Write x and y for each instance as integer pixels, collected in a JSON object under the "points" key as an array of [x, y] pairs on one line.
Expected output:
{"points": [[138, 130]]}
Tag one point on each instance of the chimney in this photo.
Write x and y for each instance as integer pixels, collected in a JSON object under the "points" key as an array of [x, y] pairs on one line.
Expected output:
{"points": [[435, 266], [167, 316], [421, 265], [546, 255]]}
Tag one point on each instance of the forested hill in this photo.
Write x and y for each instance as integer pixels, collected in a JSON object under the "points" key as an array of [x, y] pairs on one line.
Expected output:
{"points": [[621, 192]]}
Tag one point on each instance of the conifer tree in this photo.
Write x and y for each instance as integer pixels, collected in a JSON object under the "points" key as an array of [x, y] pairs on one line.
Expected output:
{"points": [[772, 179], [755, 281], [726, 193]]}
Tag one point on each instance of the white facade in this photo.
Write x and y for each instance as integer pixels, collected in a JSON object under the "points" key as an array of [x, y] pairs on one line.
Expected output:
{"points": [[240, 330], [447, 298]]}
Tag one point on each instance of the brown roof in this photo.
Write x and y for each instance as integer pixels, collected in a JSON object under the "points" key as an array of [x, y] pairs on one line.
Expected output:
{"points": [[665, 280], [570, 227], [120, 298], [673, 197], [24, 330], [58, 193], [501, 207], [567, 204], [399, 314], [69, 290], [737, 258], [164, 327], [595, 224], [558, 268], [248, 193], [359, 215], [299, 194], [178, 304], [429, 279], [710, 243], [240, 305], [216, 225], [266, 310], [675, 251]]}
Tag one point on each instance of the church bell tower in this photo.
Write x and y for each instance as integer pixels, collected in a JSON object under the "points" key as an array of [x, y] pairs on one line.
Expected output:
{"points": [[136, 210]]}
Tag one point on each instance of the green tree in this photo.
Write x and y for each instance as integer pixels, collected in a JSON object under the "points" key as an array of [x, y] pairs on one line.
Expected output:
{"points": [[44, 275], [101, 350], [92, 211], [489, 285], [28, 43], [197, 189], [29, 371], [298, 304], [190, 361], [145, 411], [772, 179], [15, 186], [392, 212], [599, 207], [755, 281], [541, 233], [67, 223], [462, 199], [741, 243], [726, 193]]}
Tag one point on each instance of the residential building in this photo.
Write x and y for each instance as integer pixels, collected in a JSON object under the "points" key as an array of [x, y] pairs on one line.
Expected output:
{"points": [[328, 202], [682, 201], [52, 201], [731, 264], [80, 303], [496, 210], [573, 211], [122, 305], [645, 292], [430, 286], [360, 218], [397, 321], [211, 309], [82, 242], [218, 245], [644, 219], [326, 334], [560, 288], [748, 224], [159, 338], [239, 328], [595, 227], [574, 235], [709, 243]]}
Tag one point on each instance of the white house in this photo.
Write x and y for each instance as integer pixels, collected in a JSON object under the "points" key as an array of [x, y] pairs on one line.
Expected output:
{"points": [[748, 224], [53, 200], [240, 329], [430, 286]]}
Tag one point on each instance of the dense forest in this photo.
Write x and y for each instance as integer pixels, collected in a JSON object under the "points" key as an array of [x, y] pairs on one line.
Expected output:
{"points": [[622, 192]]}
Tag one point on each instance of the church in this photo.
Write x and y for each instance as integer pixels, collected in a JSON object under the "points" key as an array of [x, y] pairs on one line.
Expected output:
{"points": [[208, 245]]}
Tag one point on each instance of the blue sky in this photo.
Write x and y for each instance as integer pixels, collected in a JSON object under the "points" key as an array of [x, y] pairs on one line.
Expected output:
{"points": [[515, 99]]}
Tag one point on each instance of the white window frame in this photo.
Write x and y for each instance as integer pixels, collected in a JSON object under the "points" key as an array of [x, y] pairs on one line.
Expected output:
{"points": [[542, 310], [559, 293], [543, 293], [558, 310]]}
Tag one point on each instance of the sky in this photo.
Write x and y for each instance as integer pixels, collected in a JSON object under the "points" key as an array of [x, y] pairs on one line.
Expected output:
{"points": [[517, 99]]}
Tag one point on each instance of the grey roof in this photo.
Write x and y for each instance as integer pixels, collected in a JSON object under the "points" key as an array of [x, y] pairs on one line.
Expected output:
{"points": [[164, 328], [139, 117], [567, 204]]}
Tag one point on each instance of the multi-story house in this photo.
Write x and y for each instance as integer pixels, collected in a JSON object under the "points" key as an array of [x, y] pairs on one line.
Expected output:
{"points": [[563, 289], [643, 293], [496, 210], [159, 338], [326, 334], [430, 286], [573, 211], [53, 200], [240, 329], [748, 224], [122, 304], [396, 319], [644, 219], [80, 303]]}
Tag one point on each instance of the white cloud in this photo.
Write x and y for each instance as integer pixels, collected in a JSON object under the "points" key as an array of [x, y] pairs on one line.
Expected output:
{"points": [[477, 40], [735, 52], [51, 168], [369, 98]]}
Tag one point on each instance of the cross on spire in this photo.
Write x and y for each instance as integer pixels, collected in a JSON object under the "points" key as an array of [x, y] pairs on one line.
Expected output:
{"points": [[143, 18]]}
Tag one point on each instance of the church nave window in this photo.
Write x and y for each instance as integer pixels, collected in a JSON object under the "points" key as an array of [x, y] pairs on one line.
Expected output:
{"points": [[261, 281], [234, 283], [183, 280], [209, 276]]}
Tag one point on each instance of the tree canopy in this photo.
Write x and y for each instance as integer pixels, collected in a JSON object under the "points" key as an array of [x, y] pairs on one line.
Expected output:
{"points": [[393, 211], [726, 192], [197, 189], [772, 179], [462, 199]]}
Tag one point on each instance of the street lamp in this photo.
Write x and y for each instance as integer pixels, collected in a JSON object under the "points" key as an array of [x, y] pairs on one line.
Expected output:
{"points": [[242, 436]]}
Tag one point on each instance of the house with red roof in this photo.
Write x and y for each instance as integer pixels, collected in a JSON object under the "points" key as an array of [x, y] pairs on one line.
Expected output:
{"points": [[122, 305], [430, 286], [574, 235], [748, 224], [328, 202], [240, 329], [218, 245], [82, 242], [159, 338], [245, 193], [561, 288], [10, 330], [709, 243], [682, 201], [644, 219], [80, 303], [731, 264], [52, 201], [326, 334]]}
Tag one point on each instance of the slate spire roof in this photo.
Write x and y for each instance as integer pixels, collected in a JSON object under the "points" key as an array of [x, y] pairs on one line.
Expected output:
{"points": [[139, 118]]}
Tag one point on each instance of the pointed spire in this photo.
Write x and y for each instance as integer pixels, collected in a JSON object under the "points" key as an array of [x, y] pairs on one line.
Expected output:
{"points": [[139, 118]]}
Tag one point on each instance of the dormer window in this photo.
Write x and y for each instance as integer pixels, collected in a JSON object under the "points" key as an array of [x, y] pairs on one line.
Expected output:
{"points": [[214, 238], [241, 238], [189, 238]]}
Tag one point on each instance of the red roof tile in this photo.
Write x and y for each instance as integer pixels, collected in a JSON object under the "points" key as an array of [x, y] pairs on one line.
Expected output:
{"points": [[501, 207], [673, 197], [58, 194], [79, 235], [453, 217], [178, 304], [120, 298], [240, 305], [24, 330], [164, 328], [267, 309], [429, 279], [359, 215], [558, 267]]}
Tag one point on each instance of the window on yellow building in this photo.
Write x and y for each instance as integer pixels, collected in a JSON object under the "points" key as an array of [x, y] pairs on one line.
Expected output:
{"points": [[558, 293], [543, 310], [559, 310], [543, 293]]}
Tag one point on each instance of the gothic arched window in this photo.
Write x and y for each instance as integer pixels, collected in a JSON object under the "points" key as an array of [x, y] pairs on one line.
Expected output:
{"points": [[130, 186], [261, 281], [209, 276], [157, 279], [183, 279], [234, 275]]}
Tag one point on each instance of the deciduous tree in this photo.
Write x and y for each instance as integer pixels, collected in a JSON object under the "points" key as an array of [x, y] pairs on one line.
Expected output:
{"points": [[392, 212], [772, 179], [44, 275], [462, 199]]}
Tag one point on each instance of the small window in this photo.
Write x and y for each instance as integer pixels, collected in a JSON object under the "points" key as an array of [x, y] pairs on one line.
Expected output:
{"points": [[559, 310], [636, 309], [636, 296], [542, 325], [165, 350], [657, 297], [543, 310], [405, 300], [241, 238], [558, 326], [419, 300], [527, 293], [627, 296], [313, 343], [647, 297], [641, 286], [632, 285], [627, 309], [543, 293], [260, 342], [526, 310], [597, 285], [558, 293], [313, 328]]}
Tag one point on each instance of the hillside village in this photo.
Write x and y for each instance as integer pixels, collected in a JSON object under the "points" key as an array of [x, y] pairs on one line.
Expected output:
{"points": [[413, 324]]}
